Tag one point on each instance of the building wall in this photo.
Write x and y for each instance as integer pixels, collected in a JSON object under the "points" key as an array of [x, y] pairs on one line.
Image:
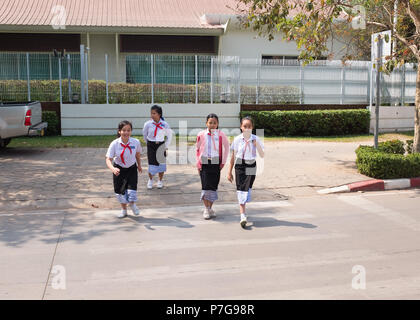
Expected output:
{"points": [[100, 44], [246, 43], [393, 119], [103, 119]]}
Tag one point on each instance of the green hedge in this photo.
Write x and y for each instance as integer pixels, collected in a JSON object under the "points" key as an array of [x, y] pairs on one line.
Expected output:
{"points": [[53, 123], [311, 123], [388, 161], [48, 90]]}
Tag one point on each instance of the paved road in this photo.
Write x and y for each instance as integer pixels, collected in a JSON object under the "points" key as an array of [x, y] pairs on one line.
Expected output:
{"points": [[301, 248], [78, 178]]}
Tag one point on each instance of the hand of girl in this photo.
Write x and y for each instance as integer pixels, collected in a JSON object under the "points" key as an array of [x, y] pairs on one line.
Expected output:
{"points": [[116, 171], [230, 177], [140, 169], [254, 142]]}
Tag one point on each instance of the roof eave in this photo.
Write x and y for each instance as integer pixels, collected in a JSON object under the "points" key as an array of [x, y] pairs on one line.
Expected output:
{"points": [[211, 31]]}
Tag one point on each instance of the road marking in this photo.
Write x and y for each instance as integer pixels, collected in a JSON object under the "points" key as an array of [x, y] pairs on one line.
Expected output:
{"points": [[236, 266], [391, 215], [193, 244], [379, 289]]}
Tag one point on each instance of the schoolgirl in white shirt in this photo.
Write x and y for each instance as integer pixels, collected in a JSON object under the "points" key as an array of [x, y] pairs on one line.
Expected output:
{"points": [[154, 133], [212, 151], [244, 153], [125, 152]]}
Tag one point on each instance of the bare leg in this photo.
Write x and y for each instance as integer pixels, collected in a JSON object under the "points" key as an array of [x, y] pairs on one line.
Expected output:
{"points": [[242, 208], [150, 176], [124, 206], [207, 203], [161, 175]]}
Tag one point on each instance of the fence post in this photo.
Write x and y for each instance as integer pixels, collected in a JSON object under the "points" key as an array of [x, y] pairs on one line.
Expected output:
{"points": [[82, 73], [183, 78], [87, 78], [403, 85], [59, 80], [18, 64], [152, 77], [106, 78], [69, 76], [50, 64], [211, 80], [258, 64], [302, 83], [368, 85], [196, 79], [239, 80], [342, 84], [28, 76]]}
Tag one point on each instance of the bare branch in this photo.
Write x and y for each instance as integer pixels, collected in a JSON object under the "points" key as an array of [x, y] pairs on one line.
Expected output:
{"points": [[413, 47], [378, 24], [413, 14]]}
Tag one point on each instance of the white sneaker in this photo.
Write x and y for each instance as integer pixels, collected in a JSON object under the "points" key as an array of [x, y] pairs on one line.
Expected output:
{"points": [[122, 214], [206, 214], [160, 184], [243, 221], [212, 213], [150, 184], [135, 209]]}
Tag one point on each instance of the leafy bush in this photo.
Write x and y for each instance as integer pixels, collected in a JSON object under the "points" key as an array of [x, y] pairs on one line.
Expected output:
{"points": [[311, 123], [377, 163], [53, 123], [392, 146], [48, 90], [409, 146]]}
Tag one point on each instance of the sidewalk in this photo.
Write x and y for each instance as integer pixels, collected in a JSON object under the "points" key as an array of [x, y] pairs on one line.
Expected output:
{"points": [[78, 178]]}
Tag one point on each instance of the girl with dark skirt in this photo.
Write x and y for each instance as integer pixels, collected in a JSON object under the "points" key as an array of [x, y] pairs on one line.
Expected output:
{"points": [[244, 154], [154, 133], [125, 152], [212, 150]]}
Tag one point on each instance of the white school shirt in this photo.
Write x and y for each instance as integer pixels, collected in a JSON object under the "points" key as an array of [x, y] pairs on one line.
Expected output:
{"points": [[239, 144], [115, 149], [149, 132], [209, 150]]}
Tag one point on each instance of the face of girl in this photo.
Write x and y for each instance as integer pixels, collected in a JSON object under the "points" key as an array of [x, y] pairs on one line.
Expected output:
{"points": [[155, 116], [212, 123], [246, 127], [125, 132]]}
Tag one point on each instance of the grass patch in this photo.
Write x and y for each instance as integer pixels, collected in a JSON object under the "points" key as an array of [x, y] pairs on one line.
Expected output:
{"points": [[69, 141], [104, 141], [348, 138]]}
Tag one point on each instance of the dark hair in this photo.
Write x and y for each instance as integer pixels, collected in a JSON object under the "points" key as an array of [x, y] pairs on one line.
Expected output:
{"points": [[122, 124], [158, 109], [247, 118], [213, 115]]}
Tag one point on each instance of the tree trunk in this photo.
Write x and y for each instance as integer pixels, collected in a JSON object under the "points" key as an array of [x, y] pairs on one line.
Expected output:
{"points": [[416, 144]]}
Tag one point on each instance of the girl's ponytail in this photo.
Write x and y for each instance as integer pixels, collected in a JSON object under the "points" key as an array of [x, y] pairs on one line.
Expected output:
{"points": [[158, 109]]}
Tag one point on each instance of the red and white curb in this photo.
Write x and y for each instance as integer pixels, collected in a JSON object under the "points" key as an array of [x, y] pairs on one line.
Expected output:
{"points": [[374, 185]]}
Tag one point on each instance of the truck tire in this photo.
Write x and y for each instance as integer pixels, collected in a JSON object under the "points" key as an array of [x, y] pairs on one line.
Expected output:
{"points": [[4, 142]]}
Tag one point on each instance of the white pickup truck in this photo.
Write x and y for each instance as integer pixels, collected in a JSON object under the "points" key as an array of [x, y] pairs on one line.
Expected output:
{"points": [[20, 119]]}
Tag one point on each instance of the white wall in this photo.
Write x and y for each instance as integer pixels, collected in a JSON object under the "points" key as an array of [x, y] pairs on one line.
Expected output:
{"points": [[246, 43], [393, 119], [99, 44], [103, 119]]}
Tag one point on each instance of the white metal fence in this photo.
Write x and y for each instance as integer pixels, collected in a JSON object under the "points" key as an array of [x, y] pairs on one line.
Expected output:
{"points": [[197, 79]]}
